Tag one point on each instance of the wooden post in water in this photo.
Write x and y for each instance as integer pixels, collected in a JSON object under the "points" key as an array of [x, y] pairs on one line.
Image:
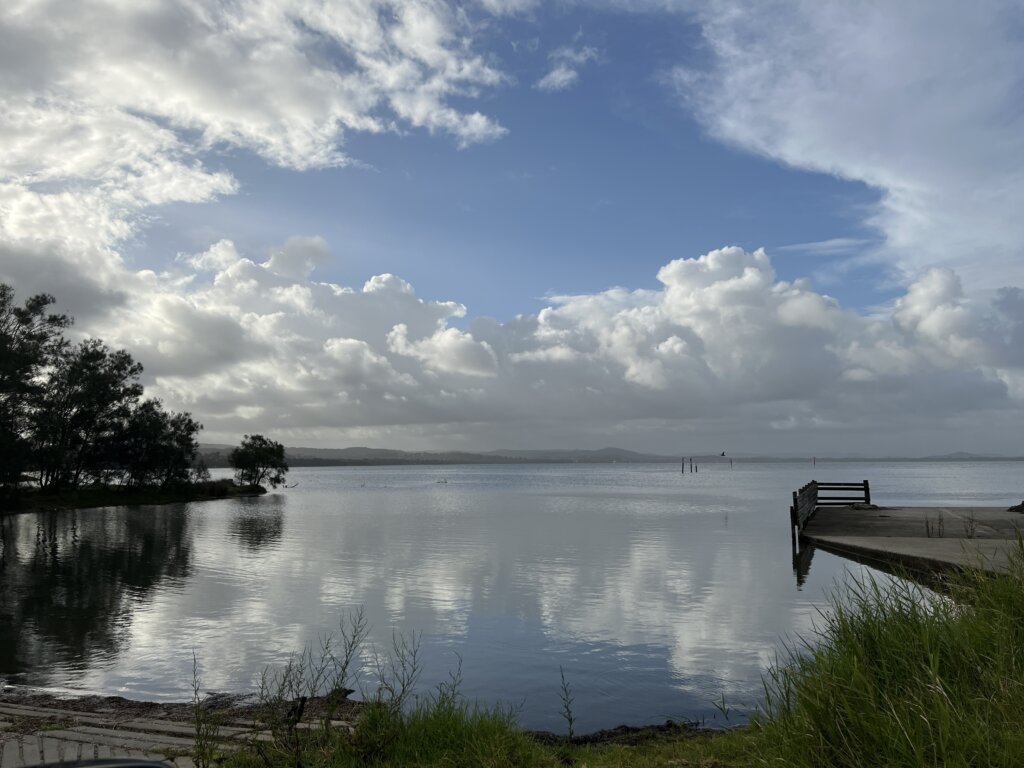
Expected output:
{"points": [[683, 467], [793, 522], [867, 493]]}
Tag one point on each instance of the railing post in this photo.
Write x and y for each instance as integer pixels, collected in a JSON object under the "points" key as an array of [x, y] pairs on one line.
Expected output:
{"points": [[867, 493]]}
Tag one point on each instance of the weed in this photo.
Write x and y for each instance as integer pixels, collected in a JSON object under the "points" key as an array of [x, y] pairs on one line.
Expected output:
{"points": [[565, 694], [722, 707], [320, 673], [205, 722]]}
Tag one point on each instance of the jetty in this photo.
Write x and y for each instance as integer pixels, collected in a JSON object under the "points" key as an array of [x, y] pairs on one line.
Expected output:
{"points": [[840, 518]]}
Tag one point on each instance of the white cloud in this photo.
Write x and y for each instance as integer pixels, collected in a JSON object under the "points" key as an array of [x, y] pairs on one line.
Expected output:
{"points": [[509, 7], [298, 257], [566, 63], [448, 349], [560, 78], [110, 108], [918, 100], [722, 347], [95, 136]]}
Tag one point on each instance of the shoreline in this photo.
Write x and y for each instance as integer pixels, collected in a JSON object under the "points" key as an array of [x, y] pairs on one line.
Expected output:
{"points": [[41, 709], [34, 501]]}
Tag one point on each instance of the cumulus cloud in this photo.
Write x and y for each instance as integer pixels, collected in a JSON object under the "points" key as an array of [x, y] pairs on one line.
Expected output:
{"points": [[448, 349], [110, 109], [722, 346], [918, 100], [566, 63], [95, 136]]}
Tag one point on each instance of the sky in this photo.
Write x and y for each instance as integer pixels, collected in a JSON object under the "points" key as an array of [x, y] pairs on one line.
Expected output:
{"points": [[787, 228]]}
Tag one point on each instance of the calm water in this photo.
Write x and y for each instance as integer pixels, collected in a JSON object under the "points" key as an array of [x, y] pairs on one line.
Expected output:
{"points": [[657, 592]]}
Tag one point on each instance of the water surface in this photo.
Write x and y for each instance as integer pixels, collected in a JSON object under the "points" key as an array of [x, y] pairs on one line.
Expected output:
{"points": [[658, 593]]}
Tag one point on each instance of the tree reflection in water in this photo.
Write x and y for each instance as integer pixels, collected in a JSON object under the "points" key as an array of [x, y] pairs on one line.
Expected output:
{"points": [[258, 523], [70, 580]]}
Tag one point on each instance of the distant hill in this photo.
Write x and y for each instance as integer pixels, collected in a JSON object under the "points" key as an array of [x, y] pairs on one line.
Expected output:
{"points": [[216, 455], [964, 456], [598, 456]]}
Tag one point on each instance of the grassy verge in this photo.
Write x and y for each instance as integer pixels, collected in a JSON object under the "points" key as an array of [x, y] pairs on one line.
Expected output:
{"points": [[895, 676], [892, 676], [33, 500], [436, 734]]}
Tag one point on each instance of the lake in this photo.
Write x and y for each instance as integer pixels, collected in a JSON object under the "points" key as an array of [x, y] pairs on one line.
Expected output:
{"points": [[658, 593]]}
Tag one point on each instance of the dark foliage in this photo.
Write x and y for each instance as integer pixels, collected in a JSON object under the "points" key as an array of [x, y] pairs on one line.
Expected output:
{"points": [[30, 340], [258, 460], [72, 415]]}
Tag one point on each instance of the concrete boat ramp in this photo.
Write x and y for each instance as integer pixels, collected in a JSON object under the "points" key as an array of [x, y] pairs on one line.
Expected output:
{"points": [[919, 538], [840, 518], [32, 735], [38, 728]]}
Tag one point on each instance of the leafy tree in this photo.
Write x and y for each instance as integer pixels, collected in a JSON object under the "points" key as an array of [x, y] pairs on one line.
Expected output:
{"points": [[257, 459], [88, 398], [74, 413], [30, 337], [157, 447]]}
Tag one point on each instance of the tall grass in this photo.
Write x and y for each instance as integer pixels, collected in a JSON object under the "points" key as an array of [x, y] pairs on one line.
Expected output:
{"points": [[894, 675]]}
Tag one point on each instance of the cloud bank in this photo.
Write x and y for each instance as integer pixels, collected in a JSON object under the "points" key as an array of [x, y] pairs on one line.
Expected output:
{"points": [[721, 347], [111, 111], [918, 100]]}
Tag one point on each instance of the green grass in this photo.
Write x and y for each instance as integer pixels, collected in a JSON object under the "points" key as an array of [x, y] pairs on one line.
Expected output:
{"points": [[431, 733], [893, 675], [457, 735], [897, 676]]}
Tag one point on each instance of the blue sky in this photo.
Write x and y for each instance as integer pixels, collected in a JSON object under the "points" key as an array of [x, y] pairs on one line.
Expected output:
{"points": [[592, 187], [489, 223]]}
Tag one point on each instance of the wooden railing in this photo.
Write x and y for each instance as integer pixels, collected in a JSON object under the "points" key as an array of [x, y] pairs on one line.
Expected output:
{"points": [[813, 495]]}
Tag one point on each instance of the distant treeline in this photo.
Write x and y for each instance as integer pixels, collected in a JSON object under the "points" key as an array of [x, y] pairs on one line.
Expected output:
{"points": [[74, 414]]}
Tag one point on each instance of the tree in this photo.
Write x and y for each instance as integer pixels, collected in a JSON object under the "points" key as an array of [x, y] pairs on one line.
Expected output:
{"points": [[155, 447], [73, 413], [88, 397], [257, 459], [30, 338]]}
